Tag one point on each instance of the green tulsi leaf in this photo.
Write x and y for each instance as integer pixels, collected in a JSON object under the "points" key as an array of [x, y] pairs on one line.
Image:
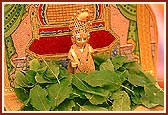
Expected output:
{"points": [[92, 108], [99, 59], [103, 78], [22, 80], [34, 65], [66, 105], [30, 74], [59, 92], [118, 61], [153, 96], [136, 80], [121, 101], [42, 70], [39, 99], [137, 95], [52, 73], [107, 65], [21, 93], [81, 85], [25, 104], [95, 99], [40, 79], [76, 93]]}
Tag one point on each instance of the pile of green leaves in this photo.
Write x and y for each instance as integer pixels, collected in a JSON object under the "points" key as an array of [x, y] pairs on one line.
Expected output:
{"points": [[116, 85]]}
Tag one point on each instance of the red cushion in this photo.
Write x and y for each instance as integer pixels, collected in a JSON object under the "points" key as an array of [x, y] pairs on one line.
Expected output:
{"points": [[62, 44]]}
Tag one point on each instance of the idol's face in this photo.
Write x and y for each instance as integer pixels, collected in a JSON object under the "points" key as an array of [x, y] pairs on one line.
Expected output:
{"points": [[81, 38]]}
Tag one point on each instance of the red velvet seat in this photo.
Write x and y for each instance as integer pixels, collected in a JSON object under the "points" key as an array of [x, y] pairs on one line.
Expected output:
{"points": [[62, 44]]}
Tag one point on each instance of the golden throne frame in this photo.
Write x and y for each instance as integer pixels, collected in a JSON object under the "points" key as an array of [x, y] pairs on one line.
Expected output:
{"points": [[57, 17]]}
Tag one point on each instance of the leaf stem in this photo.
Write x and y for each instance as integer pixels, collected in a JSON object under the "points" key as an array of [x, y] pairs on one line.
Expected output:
{"points": [[109, 101], [123, 72], [51, 71], [78, 104], [127, 89]]}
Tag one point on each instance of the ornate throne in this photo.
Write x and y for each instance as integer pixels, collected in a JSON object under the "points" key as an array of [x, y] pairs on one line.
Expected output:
{"points": [[52, 35]]}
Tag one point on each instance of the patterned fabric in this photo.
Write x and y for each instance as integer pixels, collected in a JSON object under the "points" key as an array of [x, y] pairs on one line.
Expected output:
{"points": [[133, 36], [13, 14], [129, 11]]}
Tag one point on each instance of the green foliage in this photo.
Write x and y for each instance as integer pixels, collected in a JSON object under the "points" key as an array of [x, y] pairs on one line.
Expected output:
{"points": [[121, 87], [118, 62], [95, 99], [98, 60], [22, 80], [59, 92], [152, 96], [30, 75], [21, 93], [104, 78], [39, 99], [92, 108], [107, 65], [81, 85], [35, 65], [67, 105], [40, 79], [121, 101]]}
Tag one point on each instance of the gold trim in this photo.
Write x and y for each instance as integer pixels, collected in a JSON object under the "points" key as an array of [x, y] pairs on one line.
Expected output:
{"points": [[117, 38], [61, 24], [27, 11], [106, 18], [143, 22], [45, 14], [67, 33], [36, 10], [94, 5], [155, 60], [34, 22]]}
